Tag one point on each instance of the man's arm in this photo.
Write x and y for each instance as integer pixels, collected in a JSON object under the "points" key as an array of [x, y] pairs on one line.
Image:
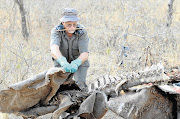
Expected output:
{"points": [[83, 56], [59, 58], [55, 51]]}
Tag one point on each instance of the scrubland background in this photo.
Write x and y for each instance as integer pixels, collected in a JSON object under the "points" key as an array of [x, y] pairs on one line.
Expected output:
{"points": [[138, 25]]}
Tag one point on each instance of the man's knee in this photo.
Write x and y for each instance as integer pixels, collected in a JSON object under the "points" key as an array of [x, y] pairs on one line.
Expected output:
{"points": [[81, 74], [80, 77]]}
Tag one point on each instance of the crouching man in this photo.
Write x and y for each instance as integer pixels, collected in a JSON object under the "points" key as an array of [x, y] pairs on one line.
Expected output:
{"points": [[69, 46]]}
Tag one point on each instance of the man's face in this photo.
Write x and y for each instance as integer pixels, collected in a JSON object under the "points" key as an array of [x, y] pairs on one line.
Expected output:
{"points": [[70, 26]]}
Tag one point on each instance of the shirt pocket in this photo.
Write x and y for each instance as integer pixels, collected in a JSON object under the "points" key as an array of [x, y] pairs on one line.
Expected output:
{"points": [[75, 50], [64, 50]]}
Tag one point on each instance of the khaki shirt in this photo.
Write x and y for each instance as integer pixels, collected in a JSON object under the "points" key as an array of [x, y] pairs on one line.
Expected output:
{"points": [[70, 48]]}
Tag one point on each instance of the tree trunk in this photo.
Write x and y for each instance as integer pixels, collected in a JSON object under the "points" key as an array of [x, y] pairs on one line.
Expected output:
{"points": [[23, 18], [170, 11]]}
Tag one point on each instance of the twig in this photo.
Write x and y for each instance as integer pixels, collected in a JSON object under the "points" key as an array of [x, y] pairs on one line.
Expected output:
{"points": [[75, 29]]}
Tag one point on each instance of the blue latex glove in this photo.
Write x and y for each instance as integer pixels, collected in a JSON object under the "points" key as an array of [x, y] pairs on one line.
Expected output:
{"points": [[75, 64], [63, 62]]}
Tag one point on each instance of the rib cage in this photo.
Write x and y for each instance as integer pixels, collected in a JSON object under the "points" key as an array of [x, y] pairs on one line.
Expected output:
{"points": [[152, 74]]}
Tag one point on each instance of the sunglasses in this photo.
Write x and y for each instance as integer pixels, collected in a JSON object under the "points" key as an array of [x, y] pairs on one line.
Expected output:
{"points": [[70, 25]]}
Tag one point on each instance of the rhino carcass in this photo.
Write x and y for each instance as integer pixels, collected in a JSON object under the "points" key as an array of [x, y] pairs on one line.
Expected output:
{"points": [[36, 96]]}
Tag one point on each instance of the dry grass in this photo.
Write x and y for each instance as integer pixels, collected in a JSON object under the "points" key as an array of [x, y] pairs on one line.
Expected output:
{"points": [[108, 21]]}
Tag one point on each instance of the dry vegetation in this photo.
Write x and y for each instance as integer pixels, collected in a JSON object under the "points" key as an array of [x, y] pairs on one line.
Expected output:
{"points": [[143, 22]]}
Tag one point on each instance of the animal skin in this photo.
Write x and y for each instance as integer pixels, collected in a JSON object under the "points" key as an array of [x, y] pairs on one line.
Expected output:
{"points": [[57, 78]]}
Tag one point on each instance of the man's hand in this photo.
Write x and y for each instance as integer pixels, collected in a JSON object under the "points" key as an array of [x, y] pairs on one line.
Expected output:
{"points": [[75, 64], [63, 62]]}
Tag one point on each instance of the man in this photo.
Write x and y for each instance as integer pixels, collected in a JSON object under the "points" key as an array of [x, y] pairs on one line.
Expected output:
{"points": [[69, 46]]}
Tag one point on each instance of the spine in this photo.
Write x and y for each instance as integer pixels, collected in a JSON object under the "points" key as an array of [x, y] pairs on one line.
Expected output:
{"points": [[152, 74]]}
